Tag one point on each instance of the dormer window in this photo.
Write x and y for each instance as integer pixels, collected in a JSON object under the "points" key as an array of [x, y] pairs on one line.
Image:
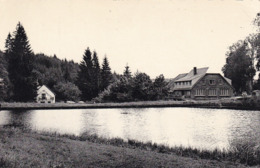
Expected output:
{"points": [[212, 82]]}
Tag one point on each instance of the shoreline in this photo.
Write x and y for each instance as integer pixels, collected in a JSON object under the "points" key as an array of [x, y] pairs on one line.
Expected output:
{"points": [[213, 104], [25, 148]]}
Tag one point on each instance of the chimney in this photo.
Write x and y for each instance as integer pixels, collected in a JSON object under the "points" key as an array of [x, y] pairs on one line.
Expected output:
{"points": [[195, 70]]}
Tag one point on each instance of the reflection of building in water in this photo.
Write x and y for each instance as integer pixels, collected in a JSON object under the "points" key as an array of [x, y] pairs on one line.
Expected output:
{"points": [[45, 95]]}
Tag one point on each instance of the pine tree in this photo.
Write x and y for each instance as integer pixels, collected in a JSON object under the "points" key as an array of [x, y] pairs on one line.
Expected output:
{"points": [[21, 65], [85, 74], [96, 75], [5, 91], [8, 44], [127, 72], [106, 74]]}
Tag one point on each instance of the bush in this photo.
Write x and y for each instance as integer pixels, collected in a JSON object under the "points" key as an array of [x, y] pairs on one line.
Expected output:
{"points": [[67, 91]]}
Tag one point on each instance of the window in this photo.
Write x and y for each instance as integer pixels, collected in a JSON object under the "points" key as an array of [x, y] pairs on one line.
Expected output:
{"points": [[212, 82], [224, 92], [43, 96], [220, 81], [212, 92], [199, 92]]}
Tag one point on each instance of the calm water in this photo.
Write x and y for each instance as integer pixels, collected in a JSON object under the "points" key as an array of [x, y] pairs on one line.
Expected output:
{"points": [[202, 128]]}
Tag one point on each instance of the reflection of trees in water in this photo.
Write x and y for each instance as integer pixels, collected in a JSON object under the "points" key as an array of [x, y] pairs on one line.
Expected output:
{"points": [[249, 139], [19, 118], [246, 130]]}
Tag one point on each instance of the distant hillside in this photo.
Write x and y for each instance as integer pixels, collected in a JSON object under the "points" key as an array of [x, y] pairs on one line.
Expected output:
{"points": [[51, 70]]}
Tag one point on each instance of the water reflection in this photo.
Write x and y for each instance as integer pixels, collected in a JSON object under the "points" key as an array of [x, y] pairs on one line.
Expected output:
{"points": [[202, 128]]}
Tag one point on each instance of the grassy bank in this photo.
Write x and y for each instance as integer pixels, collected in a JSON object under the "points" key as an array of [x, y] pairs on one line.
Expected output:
{"points": [[22, 148], [224, 103]]}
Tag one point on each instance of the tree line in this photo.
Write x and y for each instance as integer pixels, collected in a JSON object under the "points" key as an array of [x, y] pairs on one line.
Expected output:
{"points": [[23, 71]]}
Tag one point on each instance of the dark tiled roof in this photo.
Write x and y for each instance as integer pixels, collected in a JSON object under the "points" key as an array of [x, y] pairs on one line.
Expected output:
{"points": [[190, 77]]}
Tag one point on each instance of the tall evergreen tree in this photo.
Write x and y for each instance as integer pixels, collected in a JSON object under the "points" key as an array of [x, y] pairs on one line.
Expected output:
{"points": [[21, 65], [8, 44], [5, 88], [85, 74], [106, 74], [96, 75], [127, 72]]}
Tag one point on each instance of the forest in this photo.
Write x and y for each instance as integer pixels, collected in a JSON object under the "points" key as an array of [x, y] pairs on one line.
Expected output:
{"points": [[23, 71]]}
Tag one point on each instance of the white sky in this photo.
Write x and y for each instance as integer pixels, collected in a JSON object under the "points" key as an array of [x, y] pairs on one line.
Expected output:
{"points": [[156, 36]]}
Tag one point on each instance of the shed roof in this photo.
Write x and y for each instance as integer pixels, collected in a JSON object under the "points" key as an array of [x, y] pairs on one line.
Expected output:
{"points": [[44, 87]]}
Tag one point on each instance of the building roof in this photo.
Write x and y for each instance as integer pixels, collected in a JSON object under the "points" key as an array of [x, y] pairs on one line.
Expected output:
{"points": [[44, 87], [192, 78]]}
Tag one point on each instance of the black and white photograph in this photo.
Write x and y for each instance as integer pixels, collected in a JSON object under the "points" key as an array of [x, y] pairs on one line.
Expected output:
{"points": [[129, 83]]}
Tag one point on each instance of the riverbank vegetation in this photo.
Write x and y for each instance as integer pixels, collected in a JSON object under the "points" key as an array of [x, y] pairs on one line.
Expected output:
{"points": [[23, 148], [223, 103]]}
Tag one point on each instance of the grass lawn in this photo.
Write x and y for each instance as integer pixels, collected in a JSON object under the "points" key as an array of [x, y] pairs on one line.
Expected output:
{"points": [[22, 148]]}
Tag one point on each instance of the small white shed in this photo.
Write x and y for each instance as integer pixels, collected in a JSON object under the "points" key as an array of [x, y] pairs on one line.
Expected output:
{"points": [[45, 95]]}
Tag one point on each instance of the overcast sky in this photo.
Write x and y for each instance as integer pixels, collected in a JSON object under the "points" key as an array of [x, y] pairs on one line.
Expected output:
{"points": [[156, 36]]}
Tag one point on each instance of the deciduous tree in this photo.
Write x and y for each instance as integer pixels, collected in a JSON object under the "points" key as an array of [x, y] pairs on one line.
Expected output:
{"points": [[239, 67]]}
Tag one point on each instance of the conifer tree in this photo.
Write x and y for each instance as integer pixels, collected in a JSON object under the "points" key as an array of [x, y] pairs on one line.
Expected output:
{"points": [[127, 72], [8, 44], [5, 91], [85, 74], [21, 65], [106, 74], [96, 75]]}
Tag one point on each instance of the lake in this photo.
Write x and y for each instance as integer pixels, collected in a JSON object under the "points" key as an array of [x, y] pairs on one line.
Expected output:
{"points": [[195, 127]]}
